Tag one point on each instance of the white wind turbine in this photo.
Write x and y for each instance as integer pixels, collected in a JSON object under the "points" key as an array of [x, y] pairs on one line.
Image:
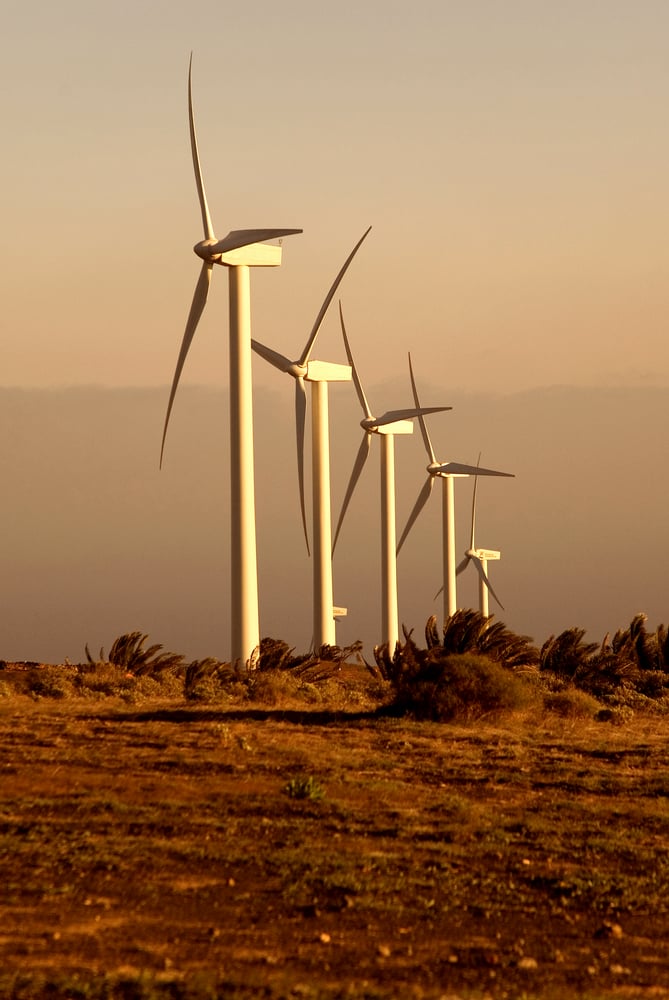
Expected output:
{"points": [[386, 427], [480, 558], [238, 251], [319, 374], [447, 472]]}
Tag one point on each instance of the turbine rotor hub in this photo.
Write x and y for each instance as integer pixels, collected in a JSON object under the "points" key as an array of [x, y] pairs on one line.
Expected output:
{"points": [[202, 250]]}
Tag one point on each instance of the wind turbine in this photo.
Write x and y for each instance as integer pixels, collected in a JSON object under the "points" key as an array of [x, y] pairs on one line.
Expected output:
{"points": [[319, 374], [447, 472], [238, 251], [480, 558], [386, 426]]}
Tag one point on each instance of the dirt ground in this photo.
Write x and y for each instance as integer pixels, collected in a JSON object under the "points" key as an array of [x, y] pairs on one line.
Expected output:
{"points": [[166, 850]]}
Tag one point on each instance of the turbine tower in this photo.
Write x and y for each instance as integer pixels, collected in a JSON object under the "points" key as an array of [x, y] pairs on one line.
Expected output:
{"points": [[238, 251], [386, 427], [319, 374], [447, 472]]}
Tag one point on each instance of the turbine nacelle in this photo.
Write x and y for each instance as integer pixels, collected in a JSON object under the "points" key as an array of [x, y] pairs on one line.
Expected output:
{"points": [[487, 555], [327, 371], [458, 470], [377, 425]]}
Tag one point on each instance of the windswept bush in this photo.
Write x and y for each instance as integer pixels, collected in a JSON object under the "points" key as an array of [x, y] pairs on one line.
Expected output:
{"points": [[466, 631], [128, 652], [445, 684], [630, 667]]}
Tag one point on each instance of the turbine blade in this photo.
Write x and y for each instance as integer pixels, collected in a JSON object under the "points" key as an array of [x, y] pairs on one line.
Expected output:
{"points": [[458, 469], [327, 300], [204, 208], [476, 483], [484, 576], [423, 498], [245, 237], [358, 466], [279, 361], [196, 309], [392, 415], [421, 420], [356, 378], [462, 566], [300, 420]]}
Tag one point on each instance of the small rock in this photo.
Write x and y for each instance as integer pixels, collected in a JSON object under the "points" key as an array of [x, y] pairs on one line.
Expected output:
{"points": [[384, 951], [325, 938], [528, 964]]}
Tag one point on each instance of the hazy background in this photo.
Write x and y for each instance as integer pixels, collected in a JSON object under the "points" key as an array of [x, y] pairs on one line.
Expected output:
{"points": [[512, 159]]}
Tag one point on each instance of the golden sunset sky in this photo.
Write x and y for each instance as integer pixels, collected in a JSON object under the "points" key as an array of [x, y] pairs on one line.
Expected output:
{"points": [[511, 156]]}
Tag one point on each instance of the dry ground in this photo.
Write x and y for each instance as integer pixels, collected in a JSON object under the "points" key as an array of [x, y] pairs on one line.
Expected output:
{"points": [[153, 850]]}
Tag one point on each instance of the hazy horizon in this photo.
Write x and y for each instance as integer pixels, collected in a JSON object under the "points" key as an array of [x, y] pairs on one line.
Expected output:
{"points": [[100, 542]]}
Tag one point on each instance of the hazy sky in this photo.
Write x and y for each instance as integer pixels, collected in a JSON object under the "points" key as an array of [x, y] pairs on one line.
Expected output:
{"points": [[511, 156]]}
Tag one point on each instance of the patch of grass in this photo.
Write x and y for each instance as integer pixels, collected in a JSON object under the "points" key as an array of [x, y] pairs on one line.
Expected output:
{"points": [[304, 787]]}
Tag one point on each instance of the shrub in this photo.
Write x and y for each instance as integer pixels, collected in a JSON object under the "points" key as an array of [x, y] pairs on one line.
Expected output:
{"points": [[466, 631], [128, 651], [459, 687], [209, 679], [51, 682], [571, 703]]}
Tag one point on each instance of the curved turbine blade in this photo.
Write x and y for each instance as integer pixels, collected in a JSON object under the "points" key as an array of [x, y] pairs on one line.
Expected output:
{"points": [[356, 378], [457, 468], [245, 237], [462, 566], [423, 425], [300, 420], [392, 415], [196, 309], [279, 361], [327, 300], [358, 466], [204, 208], [484, 576], [476, 483], [423, 498]]}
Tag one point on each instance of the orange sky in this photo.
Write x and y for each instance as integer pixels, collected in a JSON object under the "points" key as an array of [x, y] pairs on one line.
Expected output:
{"points": [[512, 159]]}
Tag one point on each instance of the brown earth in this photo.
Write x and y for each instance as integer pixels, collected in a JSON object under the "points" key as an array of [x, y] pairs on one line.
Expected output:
{"points": [[155, 850]]}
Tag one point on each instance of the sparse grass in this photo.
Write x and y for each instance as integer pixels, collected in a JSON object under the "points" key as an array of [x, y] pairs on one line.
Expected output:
{"points": [[159, 845], [304, 787]]}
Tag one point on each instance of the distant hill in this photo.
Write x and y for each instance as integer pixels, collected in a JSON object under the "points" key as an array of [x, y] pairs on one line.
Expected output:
{"points": [[97, 541]]}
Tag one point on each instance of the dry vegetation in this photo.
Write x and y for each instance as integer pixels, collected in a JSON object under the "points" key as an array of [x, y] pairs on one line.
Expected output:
{"points": [[475, 817]]}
